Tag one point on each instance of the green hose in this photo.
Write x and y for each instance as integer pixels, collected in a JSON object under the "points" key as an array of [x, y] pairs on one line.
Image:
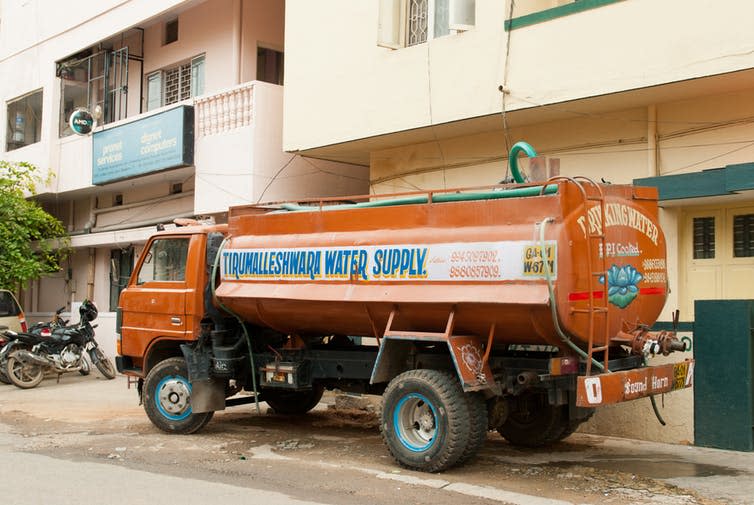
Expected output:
{"points": [[439, 198], [513, 159], [240, 321]]}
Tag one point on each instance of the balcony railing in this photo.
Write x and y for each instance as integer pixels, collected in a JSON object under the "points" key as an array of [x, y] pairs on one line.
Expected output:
{"points": [[224, 111]]}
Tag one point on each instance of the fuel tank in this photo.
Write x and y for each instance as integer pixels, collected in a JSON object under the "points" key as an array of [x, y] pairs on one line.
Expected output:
{"points": [[497, 258]]}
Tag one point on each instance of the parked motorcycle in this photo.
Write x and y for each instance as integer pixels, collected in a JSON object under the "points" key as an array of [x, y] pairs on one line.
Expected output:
{"points": [[28, 339], [56, 348], [3, 340]]}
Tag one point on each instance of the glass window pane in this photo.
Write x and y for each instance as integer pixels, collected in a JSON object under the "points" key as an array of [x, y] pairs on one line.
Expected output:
{"points": [[442, 18], [197, 76], [171, 31], [269, 65], [743, 236], [24, 121], [165, 261], [154, 90], [704, 237]]}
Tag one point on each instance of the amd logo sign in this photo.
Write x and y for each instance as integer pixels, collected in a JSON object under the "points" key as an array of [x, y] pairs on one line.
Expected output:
{"points": [[81, 121]]}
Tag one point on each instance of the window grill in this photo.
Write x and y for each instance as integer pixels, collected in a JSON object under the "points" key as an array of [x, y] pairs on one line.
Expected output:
{"points": [[743, 236], [704, 238], [177, 84], [417, 22]]}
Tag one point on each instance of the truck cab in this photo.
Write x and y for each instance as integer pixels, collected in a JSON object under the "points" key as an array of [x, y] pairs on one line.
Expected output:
{"points": [[163, 304]]}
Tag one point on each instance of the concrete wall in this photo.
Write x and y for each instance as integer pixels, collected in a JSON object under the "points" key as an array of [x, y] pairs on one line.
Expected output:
{"points": [[263, 22], [42, 33], [360, 90], [247, 165]]}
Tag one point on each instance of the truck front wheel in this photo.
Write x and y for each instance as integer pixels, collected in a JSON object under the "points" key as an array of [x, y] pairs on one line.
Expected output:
{"points": [[167, 398], [426, 420]]}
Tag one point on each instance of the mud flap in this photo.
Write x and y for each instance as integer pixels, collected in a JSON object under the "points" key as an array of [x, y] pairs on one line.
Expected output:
{"points": [[207, 393], [467, 355], [466, 352]]}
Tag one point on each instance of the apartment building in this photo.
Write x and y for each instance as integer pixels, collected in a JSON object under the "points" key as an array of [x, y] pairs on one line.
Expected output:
{"points": [[186, 99], [433, 93]]}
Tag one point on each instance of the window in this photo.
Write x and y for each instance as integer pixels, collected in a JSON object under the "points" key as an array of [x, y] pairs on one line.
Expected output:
{"points": [[171, 32], [704, 238], [175, 84], [269, 65], [97, 81], [410, 22], [121, 265], [165, 261], [24, 121], [743, 236]]}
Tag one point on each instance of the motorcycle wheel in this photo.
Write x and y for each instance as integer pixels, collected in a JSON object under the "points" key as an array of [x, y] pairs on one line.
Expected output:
{"points": [[86, 368], [23, 375], [103, 363]]}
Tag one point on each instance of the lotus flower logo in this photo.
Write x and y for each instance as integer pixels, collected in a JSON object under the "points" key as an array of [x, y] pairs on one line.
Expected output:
{"points": [[621, 284]]}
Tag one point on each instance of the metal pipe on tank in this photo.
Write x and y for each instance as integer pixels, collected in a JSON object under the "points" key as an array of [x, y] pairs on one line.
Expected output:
{"points": [[527, 378]]}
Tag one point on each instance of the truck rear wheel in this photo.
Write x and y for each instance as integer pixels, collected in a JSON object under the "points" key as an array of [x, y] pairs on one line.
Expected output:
{"points": [[477, 425], [533, 422], [293, 403], [167, 398], [426, 420]]}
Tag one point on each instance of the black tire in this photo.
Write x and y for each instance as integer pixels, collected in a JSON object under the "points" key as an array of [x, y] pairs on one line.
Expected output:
{"points": [[23, 375], [533, 422], [425, 420], [477, 406], [293, 403], [86, 368], [103, 363], [573, 424], [167, 398]]}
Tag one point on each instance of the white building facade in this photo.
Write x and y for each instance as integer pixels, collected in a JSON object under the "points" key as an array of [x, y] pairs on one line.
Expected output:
{"points": [[188, 102], [433, 93]]}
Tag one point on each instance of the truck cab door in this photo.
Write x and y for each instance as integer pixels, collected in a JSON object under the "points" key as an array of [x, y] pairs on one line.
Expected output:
{"points": [[154, 305]]}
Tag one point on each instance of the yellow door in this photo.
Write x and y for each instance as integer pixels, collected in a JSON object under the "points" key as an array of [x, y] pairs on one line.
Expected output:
{"points": [[717, 255]]}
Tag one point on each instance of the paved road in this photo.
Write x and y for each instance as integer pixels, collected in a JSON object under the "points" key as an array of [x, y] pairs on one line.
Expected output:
{"points": [[37, 479], [57, 438]]}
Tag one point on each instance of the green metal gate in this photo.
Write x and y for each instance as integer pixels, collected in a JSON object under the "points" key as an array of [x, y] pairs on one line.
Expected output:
{"points": [[724, 375]]}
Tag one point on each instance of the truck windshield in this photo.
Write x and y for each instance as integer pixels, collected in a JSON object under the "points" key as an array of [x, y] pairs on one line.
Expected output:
{"points": [[165, 261]]}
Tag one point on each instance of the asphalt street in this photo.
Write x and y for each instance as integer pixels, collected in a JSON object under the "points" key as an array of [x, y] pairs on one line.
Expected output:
{"points": [[87, 439]]}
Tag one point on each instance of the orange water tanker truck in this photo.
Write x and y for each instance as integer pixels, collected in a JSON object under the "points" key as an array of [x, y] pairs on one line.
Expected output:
{"points": [[517, 309]]}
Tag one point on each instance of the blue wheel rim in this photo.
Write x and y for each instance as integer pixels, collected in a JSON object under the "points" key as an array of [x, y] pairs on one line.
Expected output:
{"points": [[415, 422], [173, 397]]}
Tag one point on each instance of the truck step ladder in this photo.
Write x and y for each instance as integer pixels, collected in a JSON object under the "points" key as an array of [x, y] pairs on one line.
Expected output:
{"points": [[597, 302]]}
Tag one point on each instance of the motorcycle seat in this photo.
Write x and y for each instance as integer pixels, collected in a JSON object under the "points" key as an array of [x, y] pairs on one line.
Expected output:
{"points": [[63, 334]]}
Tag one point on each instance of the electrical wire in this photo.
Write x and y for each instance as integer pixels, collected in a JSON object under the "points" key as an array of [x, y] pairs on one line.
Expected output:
{"points": [[431, 115], [504, 87], [274, 177]]}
